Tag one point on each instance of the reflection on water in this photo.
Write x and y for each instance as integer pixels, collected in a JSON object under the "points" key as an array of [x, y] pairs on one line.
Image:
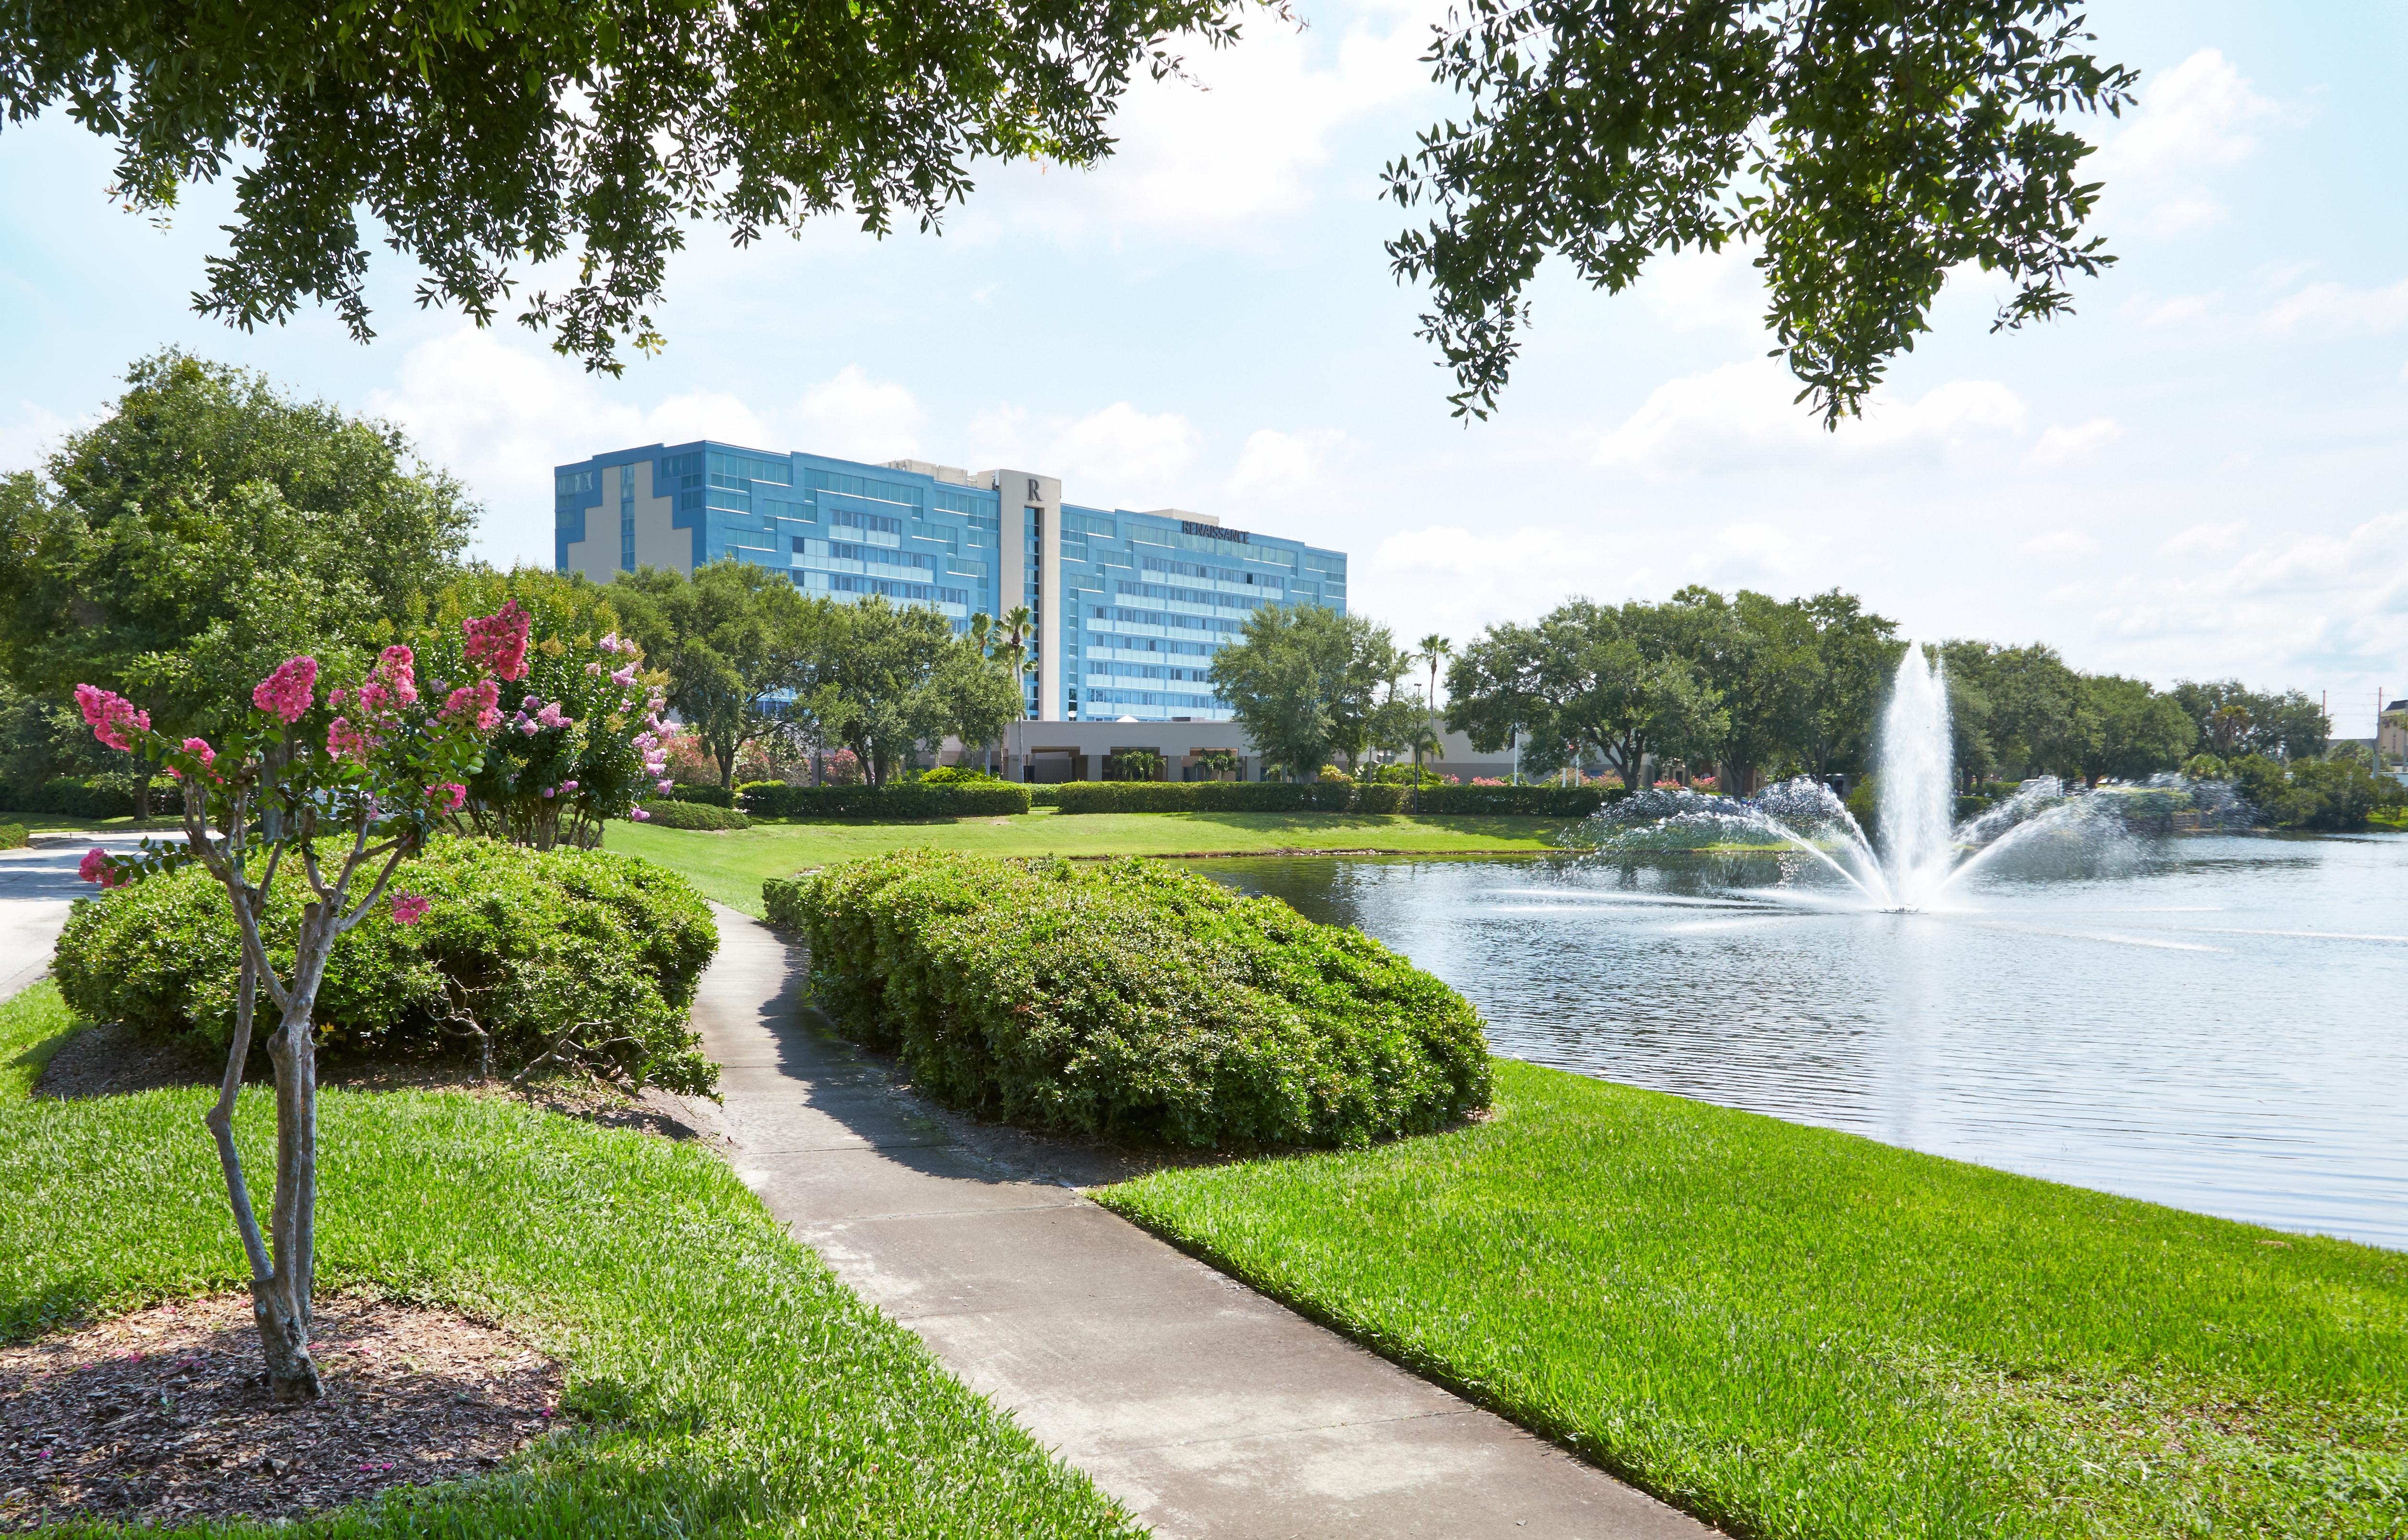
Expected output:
{"points": [[2214, 1023]]}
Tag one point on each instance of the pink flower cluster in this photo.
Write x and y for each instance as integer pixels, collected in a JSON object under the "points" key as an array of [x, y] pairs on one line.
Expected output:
{"points": [[615, 644], [499, 641], [94, 867], [285, 694], [480, 697], [346, 741], [410, 908], [451, 795], [109, 714], [199, 749]]}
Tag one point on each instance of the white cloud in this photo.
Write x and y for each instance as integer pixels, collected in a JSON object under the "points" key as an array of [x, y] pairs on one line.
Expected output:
{"points": [[2197, 113], [2192, 119], [2290, 611], [2174, 310], [2059, 542], [1744, 417], [1244, 139], [1696, 291], [1276, 466], [1125, 449], [2205, 539], [1451, 578], [1119, 456], [854, 417], [2061, 445], [500, 414], [34, 433], [2336, 307], [2184, 216]]}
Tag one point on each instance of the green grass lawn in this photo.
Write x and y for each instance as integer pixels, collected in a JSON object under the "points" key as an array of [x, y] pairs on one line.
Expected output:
{"points": [[729, 867], [1799, 1333], [753, 1393]]}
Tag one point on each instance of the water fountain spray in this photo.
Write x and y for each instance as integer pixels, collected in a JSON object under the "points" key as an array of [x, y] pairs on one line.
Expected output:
{"points": [[1920, 854], [1917, 784]]}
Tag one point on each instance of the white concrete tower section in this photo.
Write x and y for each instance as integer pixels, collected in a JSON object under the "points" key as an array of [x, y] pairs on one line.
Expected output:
{"points": [[1018, 491]]}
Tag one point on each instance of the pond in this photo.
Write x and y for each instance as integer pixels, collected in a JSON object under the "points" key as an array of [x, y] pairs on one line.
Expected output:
{"points": [[2215, 1023]]}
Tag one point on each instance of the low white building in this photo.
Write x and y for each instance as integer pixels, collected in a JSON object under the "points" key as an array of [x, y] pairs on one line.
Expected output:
{"points": [[1046, 752]]}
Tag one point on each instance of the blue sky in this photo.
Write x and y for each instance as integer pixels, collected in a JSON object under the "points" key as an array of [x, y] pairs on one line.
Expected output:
{"points": [[2201, 474]]}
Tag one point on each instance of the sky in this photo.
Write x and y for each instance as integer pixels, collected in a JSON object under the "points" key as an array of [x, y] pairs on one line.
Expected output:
{"points": [[2202, 474]]}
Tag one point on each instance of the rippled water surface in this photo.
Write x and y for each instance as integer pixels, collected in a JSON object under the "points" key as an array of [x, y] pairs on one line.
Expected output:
{"points": [[2215, 1023]]}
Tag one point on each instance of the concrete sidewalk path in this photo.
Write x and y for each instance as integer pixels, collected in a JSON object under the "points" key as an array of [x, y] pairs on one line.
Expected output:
{"points": [[1204, 1408]]}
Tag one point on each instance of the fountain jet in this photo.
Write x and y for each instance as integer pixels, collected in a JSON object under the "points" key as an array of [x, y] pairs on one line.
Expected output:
{"points": [[1920, 852]]}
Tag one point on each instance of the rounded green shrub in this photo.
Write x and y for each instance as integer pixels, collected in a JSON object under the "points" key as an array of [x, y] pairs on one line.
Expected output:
{"points": [[1133, 1001], [13, 837], [669, 812], [960, 775], [531, 942]]}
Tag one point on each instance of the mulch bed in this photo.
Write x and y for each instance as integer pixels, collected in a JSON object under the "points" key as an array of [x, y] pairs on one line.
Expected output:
{"points": [[163, 1416]]}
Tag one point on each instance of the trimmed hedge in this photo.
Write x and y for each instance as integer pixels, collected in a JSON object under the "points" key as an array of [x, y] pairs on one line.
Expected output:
{"points": [[669, 812], [540, 940], [1205, 796], [717, 797], [902, 800], [1331, 796], [1132, 1001], [71, 798], [13, 837]]}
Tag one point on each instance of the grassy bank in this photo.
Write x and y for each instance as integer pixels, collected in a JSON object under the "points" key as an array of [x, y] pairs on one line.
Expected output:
{"points": [[1799, 1333], [751, 1393], [729, 867]]}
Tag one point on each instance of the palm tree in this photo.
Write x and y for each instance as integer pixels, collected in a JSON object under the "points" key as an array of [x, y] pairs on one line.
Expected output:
{"points": [[1436, 649], [1012, 636]]}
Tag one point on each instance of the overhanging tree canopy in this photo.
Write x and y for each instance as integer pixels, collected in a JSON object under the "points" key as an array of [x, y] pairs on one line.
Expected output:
{"points": [[484, 134], [1866, 147]]}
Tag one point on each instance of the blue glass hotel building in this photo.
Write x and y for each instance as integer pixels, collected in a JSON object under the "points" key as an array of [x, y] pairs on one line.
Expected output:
{"points": [[1130, 606]]}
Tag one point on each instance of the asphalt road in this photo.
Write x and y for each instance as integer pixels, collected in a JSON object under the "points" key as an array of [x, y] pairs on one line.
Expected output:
{"points": [[36, 887]]}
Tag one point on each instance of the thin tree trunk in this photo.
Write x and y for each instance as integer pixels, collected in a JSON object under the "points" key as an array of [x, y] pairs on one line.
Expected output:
{"points": [[285, 1316]]}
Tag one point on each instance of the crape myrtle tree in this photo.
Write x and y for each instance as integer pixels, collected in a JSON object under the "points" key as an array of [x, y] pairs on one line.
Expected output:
{"points": [[486, 137], [207, 528], [1864, 148], [581, 736], [333, 795]]}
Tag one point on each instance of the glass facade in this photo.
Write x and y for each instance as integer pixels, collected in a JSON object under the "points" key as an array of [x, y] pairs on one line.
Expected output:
{"points": [[1145, 598]]}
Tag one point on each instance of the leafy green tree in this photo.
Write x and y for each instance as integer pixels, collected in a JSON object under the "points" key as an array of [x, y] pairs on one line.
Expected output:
{"points": [[2234, 719], [2317, 794], [1308, 684], [1588, 677], [891, 684], [2137, 731], [1867, 150], [208, 529], [2033, 715], [1853, 654], [485, 138], [735, 640]]}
